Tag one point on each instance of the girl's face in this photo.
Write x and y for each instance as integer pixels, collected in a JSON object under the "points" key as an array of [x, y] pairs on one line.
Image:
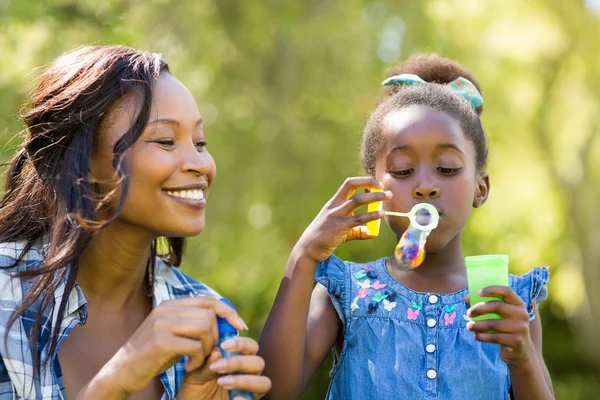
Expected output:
{"points": [[426, 158], [170, 168]]}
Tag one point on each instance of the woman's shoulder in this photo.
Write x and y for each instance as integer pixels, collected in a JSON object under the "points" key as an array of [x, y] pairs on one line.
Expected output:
{"points": [[21, 255], [179, 284]]}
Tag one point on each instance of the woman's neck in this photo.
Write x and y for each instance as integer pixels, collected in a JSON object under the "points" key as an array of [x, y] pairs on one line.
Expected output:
{"points": [[112, 269]]}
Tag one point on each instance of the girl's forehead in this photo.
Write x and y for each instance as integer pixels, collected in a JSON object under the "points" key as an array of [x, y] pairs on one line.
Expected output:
{"points": [[421, 124]]}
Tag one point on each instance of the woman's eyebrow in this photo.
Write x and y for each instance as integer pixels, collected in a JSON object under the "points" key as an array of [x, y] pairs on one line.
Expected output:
{"points": [[171, 121]]}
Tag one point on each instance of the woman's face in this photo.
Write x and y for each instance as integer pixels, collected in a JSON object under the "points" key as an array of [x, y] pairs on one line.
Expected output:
{"points": [[169, 166]]}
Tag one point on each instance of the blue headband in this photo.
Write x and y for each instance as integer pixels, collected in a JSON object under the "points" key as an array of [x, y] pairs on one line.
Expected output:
{"points": [[461, 86]]}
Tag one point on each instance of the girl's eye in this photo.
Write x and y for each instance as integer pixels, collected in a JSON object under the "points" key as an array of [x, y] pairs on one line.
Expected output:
{"points": [[201, 145], [449, 171], [402, 173]]}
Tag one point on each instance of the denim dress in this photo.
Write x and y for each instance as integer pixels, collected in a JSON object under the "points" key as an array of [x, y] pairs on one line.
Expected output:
{"points": [[402, 344]]}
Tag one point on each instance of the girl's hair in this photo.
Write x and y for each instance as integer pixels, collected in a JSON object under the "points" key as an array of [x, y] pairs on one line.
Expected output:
{"points": [[435, 95], [49, 196]]}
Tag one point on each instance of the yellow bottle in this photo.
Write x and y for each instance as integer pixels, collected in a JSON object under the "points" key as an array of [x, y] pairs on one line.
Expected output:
{"points": [[373, 226]]}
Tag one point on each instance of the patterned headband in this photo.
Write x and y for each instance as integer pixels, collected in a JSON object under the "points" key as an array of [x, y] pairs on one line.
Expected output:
{"points": [[461, 86]]}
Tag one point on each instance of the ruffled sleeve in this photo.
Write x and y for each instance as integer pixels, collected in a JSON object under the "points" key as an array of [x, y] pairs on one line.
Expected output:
{"points": [[532, 287], [331, 273]]}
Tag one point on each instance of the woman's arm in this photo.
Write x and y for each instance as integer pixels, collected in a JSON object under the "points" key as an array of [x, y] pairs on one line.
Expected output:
{"points": [[300, 330]]}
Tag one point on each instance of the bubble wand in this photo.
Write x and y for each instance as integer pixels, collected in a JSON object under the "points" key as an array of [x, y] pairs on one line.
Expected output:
{"points": [[410, 250]]}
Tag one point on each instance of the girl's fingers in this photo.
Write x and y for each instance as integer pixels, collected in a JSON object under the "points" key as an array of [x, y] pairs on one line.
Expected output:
{"points": [[259, 385], [499, 307], [240, 344], [238, 364], [359, 233], [504, 292], [350, 185], [497, 325], [361, 219], [355, 202], [504, 339]]}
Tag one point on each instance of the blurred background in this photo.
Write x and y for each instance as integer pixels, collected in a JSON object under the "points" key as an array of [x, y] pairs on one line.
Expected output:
{"points": [[285, 89]]}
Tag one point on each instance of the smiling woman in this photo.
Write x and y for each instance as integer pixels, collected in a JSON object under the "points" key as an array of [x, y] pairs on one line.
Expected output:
{"points": [[114, 158]]}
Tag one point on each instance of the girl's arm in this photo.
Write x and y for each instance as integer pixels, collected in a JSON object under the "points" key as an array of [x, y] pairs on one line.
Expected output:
{"points": [[520, 341], [532, 380], [301, 327], [300, 330]]}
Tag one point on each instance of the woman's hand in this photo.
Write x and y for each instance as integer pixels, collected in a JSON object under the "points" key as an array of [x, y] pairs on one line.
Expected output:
{"points": [[212, 380], [511, 332], [176, 328], [336, 222]]}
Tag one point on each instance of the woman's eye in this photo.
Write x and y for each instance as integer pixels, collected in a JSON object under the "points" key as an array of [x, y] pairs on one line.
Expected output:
{"points": [[449, 171], [402, 173], [166, 142], [201, 145]]}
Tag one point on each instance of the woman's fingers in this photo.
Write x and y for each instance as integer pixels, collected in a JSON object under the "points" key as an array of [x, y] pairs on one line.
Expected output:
{"points": [[196, 363], [181, 346], [243, 364], [208, 302], [252, 383], [240, 344]]}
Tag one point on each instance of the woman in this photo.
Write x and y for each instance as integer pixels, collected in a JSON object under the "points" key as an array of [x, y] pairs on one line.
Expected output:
{"points": [[114, 159]]}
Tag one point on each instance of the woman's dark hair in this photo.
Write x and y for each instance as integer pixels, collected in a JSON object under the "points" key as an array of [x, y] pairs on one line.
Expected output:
{"points": [[49, 196], [436, 95]]}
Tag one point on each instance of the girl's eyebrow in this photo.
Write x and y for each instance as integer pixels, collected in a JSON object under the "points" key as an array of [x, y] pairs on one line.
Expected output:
{"points": [[439, 146], [450, 146], [400, 148]]}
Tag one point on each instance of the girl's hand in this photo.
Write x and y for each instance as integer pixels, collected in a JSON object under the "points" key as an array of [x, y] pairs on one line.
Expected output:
{"points": [[511, 332], [211, 382], [336, 222], [176, 328]]}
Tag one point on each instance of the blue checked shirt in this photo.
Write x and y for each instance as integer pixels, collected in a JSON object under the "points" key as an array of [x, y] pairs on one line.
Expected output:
{"points": [[16, 366]]}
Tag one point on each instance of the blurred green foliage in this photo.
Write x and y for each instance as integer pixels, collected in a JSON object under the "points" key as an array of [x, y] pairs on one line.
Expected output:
{"points": [[285, 89]]}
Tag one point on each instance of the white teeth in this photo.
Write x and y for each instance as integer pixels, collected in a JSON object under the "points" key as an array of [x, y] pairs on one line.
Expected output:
{"points": [[196, 194]]}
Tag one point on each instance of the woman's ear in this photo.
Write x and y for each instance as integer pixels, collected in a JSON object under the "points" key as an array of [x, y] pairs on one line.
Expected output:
{"points": [[482, 190]]}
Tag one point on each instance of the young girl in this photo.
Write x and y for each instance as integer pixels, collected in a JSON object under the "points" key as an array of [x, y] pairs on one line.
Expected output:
{"points": [[403, 333], [114, 158]]}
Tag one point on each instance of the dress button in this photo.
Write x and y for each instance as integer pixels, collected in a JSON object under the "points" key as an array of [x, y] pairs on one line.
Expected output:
{"points": [[433, 299], [430, 348], [431, 322], [431, 374]]}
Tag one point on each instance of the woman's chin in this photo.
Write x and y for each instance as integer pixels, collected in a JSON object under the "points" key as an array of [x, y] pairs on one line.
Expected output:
{"points": [[185, 230]]}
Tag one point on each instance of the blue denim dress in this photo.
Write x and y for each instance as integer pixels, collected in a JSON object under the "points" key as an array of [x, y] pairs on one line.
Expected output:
{"points": [[402, 344]]}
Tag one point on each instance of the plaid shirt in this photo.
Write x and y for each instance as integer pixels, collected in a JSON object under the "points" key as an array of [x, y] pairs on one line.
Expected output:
{"points": [[16, 366]]}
